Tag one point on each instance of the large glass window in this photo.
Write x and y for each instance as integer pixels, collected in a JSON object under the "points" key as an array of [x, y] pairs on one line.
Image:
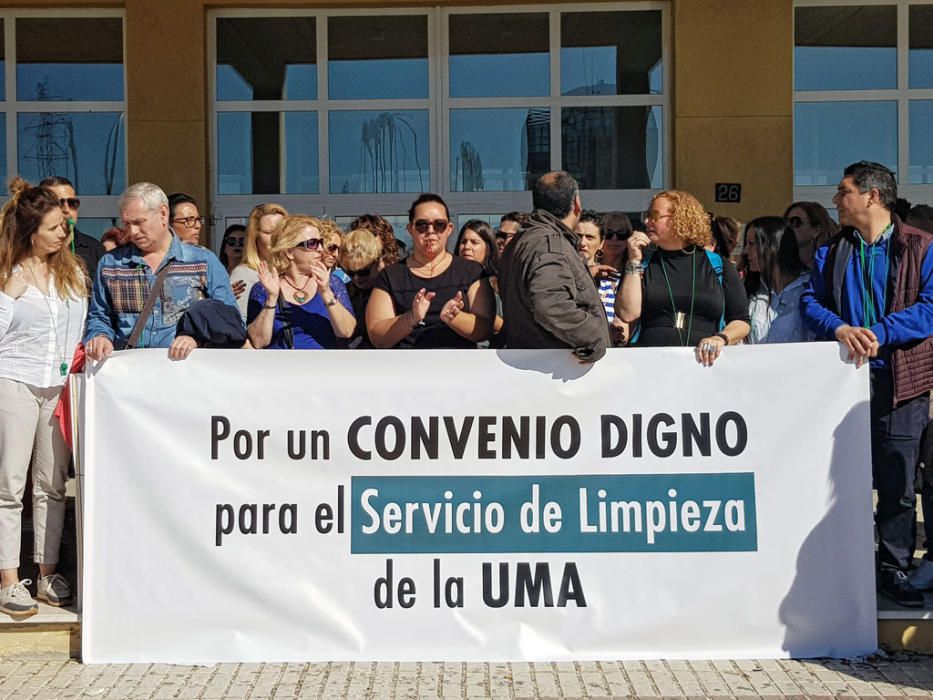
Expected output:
{"points": [[62, 105], [474, 103], [862, 92]]}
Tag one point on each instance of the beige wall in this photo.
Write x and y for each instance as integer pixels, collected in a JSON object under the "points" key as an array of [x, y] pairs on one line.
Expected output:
{"points": [[733, 102], [732, 94]]}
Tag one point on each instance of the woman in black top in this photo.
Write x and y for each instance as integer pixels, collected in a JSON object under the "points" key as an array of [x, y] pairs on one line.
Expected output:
{"points": [[677, 295], [431, 299]]}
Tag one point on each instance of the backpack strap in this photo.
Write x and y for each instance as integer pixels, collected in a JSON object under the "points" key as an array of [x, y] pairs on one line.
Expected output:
{"points": [[715, 259]]}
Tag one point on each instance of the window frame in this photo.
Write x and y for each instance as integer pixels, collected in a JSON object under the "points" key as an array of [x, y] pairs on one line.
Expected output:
{"points": [[903, 95], [229, 208], [92, 206]]}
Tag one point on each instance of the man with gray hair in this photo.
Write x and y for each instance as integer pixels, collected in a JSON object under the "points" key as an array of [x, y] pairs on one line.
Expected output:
{"points": [[549, 297], [143, 289]]}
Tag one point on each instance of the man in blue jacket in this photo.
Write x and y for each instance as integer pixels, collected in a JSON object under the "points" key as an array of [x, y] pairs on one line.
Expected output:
{"points": [[126, 275], [872, 290]]}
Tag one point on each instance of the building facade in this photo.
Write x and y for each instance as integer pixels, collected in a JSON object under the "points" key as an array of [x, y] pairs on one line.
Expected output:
{"points": [[345, 107]]}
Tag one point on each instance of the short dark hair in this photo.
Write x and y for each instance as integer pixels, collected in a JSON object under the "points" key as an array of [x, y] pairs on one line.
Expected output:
{"points": [[425, 198], [921, 216], [554, 192], [868, 175], [177, 198], [519, 217], [589, 216], [55, 181]]}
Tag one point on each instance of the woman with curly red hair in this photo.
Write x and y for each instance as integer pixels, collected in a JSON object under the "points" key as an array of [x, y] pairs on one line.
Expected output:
{"points": [[43, 303], [679, 293]]}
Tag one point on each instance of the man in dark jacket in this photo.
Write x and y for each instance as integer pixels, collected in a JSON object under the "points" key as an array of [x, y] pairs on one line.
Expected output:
{"points": [[85, 247], [549, 299], [872, 290]]}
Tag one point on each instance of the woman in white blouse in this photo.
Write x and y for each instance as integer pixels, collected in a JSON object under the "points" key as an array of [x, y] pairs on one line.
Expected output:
{"points": [[43, 301]]}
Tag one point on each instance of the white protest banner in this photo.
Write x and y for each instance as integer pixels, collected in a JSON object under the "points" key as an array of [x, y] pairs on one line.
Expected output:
{"points": [[477, 505]]}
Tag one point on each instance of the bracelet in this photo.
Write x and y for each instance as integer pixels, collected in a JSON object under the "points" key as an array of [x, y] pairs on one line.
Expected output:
{"points": [[722, 335], [330, 303], [632, 268], [271, 308]]}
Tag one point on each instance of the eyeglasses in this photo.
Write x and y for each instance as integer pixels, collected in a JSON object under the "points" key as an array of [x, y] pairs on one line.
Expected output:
{"points": [[365, 272], [616, 235], [70, 202], [654, 216], [236, 242], [422, 225], [796, 222], [190, 221], [333, 248], [311, 244]]}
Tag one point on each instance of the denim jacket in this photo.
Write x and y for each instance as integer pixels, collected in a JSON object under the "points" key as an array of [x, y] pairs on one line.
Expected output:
{"points": [[123, 281]]}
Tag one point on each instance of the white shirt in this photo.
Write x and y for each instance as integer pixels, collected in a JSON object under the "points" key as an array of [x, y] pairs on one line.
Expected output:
{"points": [[250, 276], [775, 317], [39, 333]]}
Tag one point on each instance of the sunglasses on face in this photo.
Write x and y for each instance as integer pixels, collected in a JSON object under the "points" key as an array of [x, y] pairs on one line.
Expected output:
{"points": [[70, 202], [796, 222], [365, 272], [236, 242], [423, 225], [333, 248], [616, 235], [311, 244]]}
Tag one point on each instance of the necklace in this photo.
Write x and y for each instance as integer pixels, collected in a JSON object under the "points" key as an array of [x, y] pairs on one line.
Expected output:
{"points": [[679, 315], [59, 346], [433, 263], [300, 296]]}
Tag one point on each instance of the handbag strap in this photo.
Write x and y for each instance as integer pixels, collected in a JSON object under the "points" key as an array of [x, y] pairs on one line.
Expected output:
{"points": [[147, 307]]}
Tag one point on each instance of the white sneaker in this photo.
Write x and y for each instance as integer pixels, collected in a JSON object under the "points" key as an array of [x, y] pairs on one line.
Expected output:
{"points": [[922, 576], [16, 602], [54, 590]]}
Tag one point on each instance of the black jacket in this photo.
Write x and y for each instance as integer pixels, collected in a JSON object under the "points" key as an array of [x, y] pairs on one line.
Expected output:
{"points": [[549, 298]]}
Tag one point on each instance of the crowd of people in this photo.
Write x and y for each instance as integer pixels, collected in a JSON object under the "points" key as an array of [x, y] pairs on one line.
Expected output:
{"points": [[560, 276]]}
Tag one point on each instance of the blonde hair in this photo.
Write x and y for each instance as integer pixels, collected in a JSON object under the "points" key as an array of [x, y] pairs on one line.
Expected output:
{"points": [[251, 257], [287, 235], [331, 232], [22, 216], [689, 220], [361, 248]]}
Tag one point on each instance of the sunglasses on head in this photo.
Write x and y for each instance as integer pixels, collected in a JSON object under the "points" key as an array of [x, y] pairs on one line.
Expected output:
{"points": [[365, 272], [71, 202], [422, 225], [311, 244]]}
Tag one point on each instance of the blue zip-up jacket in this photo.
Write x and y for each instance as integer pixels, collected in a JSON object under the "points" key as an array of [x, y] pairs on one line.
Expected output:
{"points": [[893, 329], [123, 281]]}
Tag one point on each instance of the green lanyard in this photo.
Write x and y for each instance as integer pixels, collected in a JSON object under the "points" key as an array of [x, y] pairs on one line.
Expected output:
{"points": [[670, 292], [870, 315]]}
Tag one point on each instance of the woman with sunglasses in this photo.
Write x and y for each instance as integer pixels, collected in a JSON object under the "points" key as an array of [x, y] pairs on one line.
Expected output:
{"points": [[332, 235], [259, 228], [812, 226], [297, 302], [361, 259], [680, 293], [231, 247], [431, 299], [43, 303]]}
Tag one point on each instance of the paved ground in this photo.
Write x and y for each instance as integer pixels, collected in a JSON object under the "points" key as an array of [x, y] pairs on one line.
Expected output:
{"points": [[898, 676]]}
